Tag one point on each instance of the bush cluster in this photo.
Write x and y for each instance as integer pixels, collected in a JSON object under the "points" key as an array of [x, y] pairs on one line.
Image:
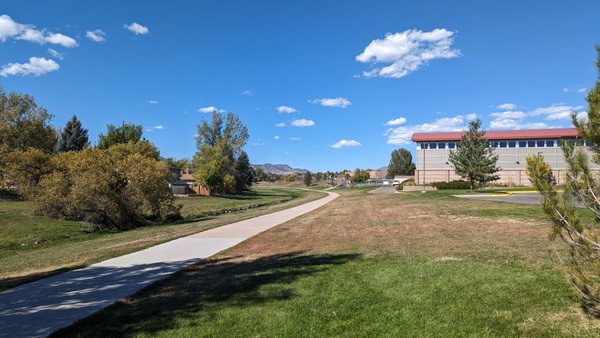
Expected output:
{"points": [[121, 187], [452, 185]]}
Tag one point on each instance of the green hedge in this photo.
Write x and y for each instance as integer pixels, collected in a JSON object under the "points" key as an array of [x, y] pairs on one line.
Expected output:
{"points": [[452, 185]]}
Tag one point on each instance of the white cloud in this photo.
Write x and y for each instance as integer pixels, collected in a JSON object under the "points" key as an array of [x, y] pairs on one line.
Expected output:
{"points": [[158, 127], [280, 125], [285, 110], [259, 142], [507, 106], [340, 102], [345, 144], [96, 35], [276, 137], [303, 123], [518, 119], [402, 134], [152, 102], [295, 138], [574, 90], [11, 29], [210, 109], [35, 67], [407, 51], [396, 122], [55, 53], [248, 92], [137, 29]]}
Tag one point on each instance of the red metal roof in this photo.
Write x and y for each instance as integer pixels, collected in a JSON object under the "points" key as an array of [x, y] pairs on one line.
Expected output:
{"points": [[558, 133]]}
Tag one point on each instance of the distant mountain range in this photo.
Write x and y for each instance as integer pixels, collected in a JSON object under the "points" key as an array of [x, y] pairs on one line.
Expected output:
{"points": [[279, 169]]}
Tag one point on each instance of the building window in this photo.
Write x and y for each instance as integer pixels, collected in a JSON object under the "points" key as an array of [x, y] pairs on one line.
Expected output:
{"points": [[451, 145], [424, 145], [541, 143], [502, 144], [494, 144], [441, 145], [432, 145], [522, 144], [512, 144], [549, 143], [531, 144]]}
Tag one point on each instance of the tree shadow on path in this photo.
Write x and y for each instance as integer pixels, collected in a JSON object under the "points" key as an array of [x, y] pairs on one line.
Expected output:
{"points": [[199, 287]]}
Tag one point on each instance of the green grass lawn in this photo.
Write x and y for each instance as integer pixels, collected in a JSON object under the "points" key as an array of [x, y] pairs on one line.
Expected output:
{"points": [[369, 265], [34, 246]]}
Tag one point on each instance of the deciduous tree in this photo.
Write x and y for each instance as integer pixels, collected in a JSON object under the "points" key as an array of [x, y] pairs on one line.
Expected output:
{"points": [[401, 163], [125, 133]]}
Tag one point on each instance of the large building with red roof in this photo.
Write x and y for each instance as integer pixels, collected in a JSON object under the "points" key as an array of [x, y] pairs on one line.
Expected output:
{"points": [[512, 147]]}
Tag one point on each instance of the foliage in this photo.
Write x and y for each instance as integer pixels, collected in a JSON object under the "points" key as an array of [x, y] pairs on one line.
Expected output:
{"points": [[243, 172], [474, 159], [406, 183], [452, 185], [73, 137], [25, 169], [360, 175], [125, 133], [23, 125], [118, 187], [401, 163], [178, 163], [219, 143], [260, 175], [307, 178], [582, 186]]}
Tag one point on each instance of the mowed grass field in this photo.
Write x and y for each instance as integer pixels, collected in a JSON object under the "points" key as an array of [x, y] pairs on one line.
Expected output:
{"points": [[32, 246], [407, 264]]}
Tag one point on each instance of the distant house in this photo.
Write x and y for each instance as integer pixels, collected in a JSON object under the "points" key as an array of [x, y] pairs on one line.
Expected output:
{"points": [[379, 174], [184, 183]]}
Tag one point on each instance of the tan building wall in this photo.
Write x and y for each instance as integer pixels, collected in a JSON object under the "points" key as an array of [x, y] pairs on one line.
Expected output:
{"points": [[433, 166]]}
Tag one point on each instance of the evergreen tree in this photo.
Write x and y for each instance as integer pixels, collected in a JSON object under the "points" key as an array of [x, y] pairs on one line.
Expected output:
{"points": [[360, 175], [474, 159], [307, 178], [244, 175], [401, 163], [582, 187], [73, 137]]}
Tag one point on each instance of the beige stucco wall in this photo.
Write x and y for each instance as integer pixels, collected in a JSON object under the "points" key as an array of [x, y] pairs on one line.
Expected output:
{"points": [[512, 162]]}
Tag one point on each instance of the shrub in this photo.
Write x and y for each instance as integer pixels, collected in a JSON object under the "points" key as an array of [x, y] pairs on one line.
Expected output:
{"points": [[452, 185], [116, 187], [407, 183]]}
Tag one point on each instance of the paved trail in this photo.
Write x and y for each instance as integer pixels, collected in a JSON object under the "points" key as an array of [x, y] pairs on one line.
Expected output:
{"points": [[39, 308]]}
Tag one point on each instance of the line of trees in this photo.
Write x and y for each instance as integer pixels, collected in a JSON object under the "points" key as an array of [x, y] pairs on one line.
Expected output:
{"points": [[118, 184]]}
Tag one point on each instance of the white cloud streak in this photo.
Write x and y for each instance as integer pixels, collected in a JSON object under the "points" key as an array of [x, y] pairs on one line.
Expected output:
{"points": [[339, 102], [35, 67], [26, 32], [285, 110], [302, 123], [396, 122], [345, 144], [96, 35], [137, 29], [407, 51], [511, 119], [210, 109], [402, 134]]}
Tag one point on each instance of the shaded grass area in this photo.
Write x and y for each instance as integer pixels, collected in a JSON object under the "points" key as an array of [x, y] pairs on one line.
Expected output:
{"points": [[33, 247], [338, 295]]}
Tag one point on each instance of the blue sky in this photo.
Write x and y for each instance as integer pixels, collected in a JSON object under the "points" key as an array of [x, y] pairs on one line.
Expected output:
{"points": [[349, 80]]}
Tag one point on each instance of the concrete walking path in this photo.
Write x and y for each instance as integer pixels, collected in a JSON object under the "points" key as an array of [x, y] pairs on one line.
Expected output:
{"points": [[39, 308]]}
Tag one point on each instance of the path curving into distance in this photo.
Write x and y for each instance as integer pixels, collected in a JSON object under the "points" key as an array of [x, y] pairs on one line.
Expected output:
{"points": [[39, 308]]}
